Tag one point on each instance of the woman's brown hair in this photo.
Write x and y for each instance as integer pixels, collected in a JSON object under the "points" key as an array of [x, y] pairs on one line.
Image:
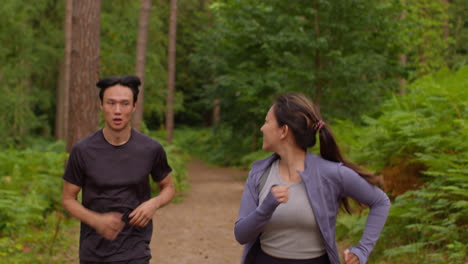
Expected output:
{"points": [[304, 119]]}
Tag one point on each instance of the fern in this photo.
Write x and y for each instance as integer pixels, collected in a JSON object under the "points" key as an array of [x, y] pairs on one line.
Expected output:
{"points": [[428, 126]]}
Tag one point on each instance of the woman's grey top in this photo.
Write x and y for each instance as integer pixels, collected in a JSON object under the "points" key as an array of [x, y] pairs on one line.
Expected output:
{"points": [[292, 231], [326, 183]]}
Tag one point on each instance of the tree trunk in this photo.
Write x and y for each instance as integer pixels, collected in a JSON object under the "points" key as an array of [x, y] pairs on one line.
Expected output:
{"points": [[318, 60], [446, 20], [84, 70], [59, 131], [401, 80], [63, 84], [403, 59], [141, 59], [447, 31], [171, 72], [216, 111]]}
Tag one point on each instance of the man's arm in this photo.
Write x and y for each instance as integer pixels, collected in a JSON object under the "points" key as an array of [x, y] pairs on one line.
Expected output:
{"points": [[143, 214], [109, 225]]}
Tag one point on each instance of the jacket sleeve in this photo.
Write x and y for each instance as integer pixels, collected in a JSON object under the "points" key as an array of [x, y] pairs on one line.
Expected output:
{"points": [[252, 218], [356, 187]]}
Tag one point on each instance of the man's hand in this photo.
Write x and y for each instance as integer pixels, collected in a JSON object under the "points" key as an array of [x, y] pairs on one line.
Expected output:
{"points": [[281, 193], [143, 214], [350, 258], [109, 225]]}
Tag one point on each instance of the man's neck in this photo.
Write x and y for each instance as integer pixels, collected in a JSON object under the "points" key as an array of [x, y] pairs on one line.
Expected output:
{"points": [[117, 138]]}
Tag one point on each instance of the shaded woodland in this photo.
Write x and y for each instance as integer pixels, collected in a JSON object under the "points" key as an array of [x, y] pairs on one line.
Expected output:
{"points": [[390, 77]]}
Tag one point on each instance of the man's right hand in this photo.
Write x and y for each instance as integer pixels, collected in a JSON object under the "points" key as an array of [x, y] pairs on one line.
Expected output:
{"points": [[109, 225]]}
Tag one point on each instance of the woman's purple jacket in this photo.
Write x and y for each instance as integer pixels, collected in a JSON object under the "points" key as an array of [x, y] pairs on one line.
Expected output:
{"points": [[326, 184]]}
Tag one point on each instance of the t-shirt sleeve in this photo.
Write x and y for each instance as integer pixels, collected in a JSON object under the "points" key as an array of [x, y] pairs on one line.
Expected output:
{"points": [[161, 167], [74, 171]]}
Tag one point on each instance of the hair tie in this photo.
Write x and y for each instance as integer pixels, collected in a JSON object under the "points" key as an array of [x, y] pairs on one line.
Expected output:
{"points": [[319, 125]]}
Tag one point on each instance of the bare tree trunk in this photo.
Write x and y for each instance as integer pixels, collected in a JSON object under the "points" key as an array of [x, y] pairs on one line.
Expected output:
{"points": [[63, 84], [403, 60], [141, 59], [447, 31], [401, 80], [318, 60], [216, 111], [59, 103], [171, 72], [446, 20], [84, 70]]}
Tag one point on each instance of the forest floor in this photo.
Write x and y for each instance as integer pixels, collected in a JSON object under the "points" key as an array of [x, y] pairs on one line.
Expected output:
{"points": [[200, 229]]}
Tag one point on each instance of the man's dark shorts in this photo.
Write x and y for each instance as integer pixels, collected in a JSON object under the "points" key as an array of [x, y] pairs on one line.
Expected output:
{"points": [[134, 261]]}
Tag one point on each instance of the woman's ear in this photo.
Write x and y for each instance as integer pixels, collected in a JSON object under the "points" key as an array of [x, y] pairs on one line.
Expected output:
{"points": [[284, 131]]}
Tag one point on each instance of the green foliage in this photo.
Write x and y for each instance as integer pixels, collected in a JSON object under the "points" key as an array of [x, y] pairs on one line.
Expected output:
{"points": [[349, 227], [422, 22], [31, 49], [218, 146], [29, 183], [428, 121], [256, 50], [49, 244], [428, 126], [193, 17], [30, 209], [177, 157], [458, 51], [119, 27], [119, 32]]}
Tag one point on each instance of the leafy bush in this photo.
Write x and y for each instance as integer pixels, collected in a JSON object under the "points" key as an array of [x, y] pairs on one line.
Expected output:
{"points": [[31, 219], [29, 187], [29, 68], [177, 158], [218, 145], [427, 127]]}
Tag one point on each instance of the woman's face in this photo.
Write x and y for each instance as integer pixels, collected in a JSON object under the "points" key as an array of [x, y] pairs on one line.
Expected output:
{"points": [[271, 131]]}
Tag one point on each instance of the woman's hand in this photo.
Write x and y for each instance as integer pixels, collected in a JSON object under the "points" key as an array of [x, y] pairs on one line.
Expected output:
{"points": [[350, 258], [281, 193]]}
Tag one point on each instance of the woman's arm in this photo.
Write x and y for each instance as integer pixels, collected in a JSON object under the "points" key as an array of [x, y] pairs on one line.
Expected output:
{"points": [[252, 218], [356, 187]]}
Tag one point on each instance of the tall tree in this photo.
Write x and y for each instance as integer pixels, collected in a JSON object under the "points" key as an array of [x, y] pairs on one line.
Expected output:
{"points": [[63, 84], [31, 38], [318, 60], [171, 71], [84, 70], [403, 59], [142, 43], [425, 46]]}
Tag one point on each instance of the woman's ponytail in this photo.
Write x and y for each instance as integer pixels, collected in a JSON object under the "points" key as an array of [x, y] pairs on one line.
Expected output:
{"points": [[304, 118]]}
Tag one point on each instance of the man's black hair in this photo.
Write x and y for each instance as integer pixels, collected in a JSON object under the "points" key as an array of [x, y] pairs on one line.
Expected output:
{"points": [[130, 81]]}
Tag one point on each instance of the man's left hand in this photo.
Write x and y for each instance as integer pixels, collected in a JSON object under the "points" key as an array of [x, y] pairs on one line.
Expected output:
{"points": [[143, 214]]}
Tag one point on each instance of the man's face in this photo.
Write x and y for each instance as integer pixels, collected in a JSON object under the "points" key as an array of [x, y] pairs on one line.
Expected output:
{"points": [[117, 106]]}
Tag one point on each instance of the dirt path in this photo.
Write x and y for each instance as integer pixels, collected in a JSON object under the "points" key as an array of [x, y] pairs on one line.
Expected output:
{"points": [[200, 229]]}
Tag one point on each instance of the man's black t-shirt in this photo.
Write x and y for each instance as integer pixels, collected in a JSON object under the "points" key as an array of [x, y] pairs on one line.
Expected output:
{"points": [[115, 179]]}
